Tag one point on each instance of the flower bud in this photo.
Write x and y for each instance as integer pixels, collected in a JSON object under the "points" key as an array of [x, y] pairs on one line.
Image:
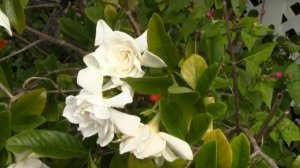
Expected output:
{"points": [[278, 75], [154, 98]]}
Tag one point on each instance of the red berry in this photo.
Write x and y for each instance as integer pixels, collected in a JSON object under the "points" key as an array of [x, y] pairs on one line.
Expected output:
{"points": [[2, 43], [278, 75], [154, 98]]}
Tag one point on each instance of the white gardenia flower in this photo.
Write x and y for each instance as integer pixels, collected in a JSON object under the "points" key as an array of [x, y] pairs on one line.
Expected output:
{"points": [[119, 55], [95, 114], [150, 143], [27, 160], [4, 22]]}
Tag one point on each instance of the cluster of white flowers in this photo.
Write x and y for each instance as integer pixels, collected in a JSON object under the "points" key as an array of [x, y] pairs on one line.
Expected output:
{"points": [[117, 56]]}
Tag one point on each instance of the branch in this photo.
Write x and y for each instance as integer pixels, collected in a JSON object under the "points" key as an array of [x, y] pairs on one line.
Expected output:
{"points": [[21, 50], [257, 151], [276, 123], [266, 122], [134, 24], [234, 67], [3, 88], [28, 42], [55, 40]]}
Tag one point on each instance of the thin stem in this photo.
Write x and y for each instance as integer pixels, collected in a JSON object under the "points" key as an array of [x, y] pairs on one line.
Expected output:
{"points": [[256, 149], [276, 124], [3, 88], [266, 122], [234, 67], [21, 50], [55, 40], [134, 24], [28, 42]]}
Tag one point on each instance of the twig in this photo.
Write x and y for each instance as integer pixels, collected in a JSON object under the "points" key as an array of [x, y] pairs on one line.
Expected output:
{"points": [[55, 40], [276, 123], [51, 5], [64, 91], [268, 119], [256, 149], [3, 88], [197, 39], [234, 68], [28, 42], [134, 24], [262, 12], [21, 50]]}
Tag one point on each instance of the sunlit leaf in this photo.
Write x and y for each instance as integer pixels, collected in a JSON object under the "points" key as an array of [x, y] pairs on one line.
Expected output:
{"points": [[207, 156], [240, 152]]}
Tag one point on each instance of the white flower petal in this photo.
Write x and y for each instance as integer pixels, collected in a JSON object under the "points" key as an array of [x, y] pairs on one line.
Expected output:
{"points": [[109, 85], [179, 146], [4, 21], [120, 100], [142, 41], [70, 108], [148, 59], [34, 163], [153, 148], [91, 80], [125, 123], [128, 144], [102, 31], [168, 154], [91, 61], [106, 136]]}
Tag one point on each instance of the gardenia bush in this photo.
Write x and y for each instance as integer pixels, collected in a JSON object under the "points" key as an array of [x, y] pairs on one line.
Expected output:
{"points": [[146, 84]]}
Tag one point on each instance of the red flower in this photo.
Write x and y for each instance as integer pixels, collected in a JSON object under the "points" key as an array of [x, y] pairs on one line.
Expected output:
{"points": [[210, 14], [2, 43], [278, 75], [154, 98]]}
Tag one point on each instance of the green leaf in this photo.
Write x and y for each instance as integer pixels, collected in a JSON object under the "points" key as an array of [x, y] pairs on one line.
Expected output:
{"points": [[32, 102], [26, 122], [110, 13], [175, 164], [293, 89], [62, 126], [293, 72], [183, 94], [224, 151], [261, 53], [216, 110], [94, 13], [215, 44], [91, 162], [5, 127], [289, 131], [24, 3], [160, 44], [266, 90], [207, 156], [296, 163], [240, 152], [192, 69], [207, 78], [51, 144], [133, 162], [200, 124], [253, 69], [149, 85], [15, 14], [248, 39], [119, 161], [239, 7], [73, 29]]}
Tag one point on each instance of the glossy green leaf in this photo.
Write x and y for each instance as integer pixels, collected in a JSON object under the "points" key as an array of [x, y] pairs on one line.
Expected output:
{"points": [[110, 13], [119, 161], [133, 162], [207, 78], [15, 13], [62, 126], [32, 102], [26, 122], [239, 7], [293, 89], [224, 151], [215, 44], [183, 94], [207, 156], [216, 110], [293, 72], [73, 29], [200, 124], [248, 39], [289, 131], [266, 90], [51, 144], [160, 43], [175, 164], [94, 13], [192, 69], [261, 53], [253, 69], [240, 152], [5, 127], [296, 163], [149, 85]]}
